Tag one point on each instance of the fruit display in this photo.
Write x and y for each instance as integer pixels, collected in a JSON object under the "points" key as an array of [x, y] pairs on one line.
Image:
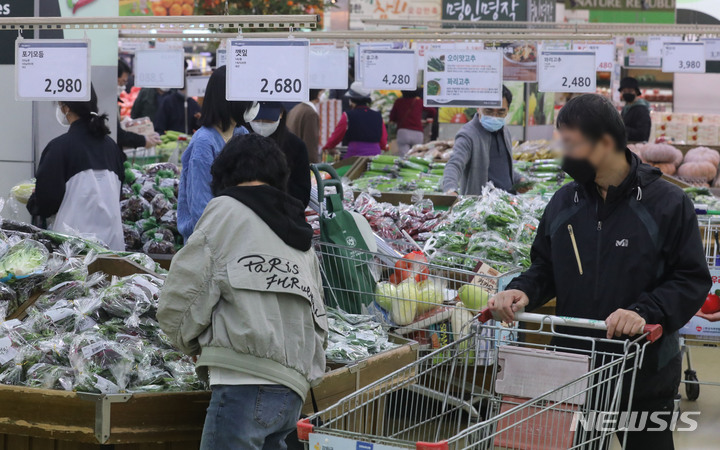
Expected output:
{"points": [[172, 7], [149, 208], [536, 150], [434, 151], [712, 303]]}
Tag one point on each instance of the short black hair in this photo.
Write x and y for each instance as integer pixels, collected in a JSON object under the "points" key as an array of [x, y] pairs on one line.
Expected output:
{"points": [[315, 93], [249, 157], [123, 68], [595, 116], [216, 109], [88, 113], [507, 95]]}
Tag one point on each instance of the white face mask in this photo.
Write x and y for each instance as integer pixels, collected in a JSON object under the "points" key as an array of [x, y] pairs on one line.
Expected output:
{"points": [[120, 90], [252, 113], [61, 118], [265, 128]]}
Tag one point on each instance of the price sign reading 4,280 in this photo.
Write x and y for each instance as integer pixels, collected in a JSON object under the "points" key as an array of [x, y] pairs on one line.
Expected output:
{"points": [[390, 69], [687, 57], [567, 71], [268, 70], [49, 69]]}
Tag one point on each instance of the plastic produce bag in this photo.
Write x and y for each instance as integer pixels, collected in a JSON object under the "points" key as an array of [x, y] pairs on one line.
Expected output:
{"points": [[23, 259]]}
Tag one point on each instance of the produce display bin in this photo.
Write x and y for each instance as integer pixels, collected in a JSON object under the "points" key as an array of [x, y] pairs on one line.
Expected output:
{"points": [[41, 419]]}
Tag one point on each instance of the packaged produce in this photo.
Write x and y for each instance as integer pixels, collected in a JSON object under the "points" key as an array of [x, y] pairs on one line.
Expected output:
{"points": [[353, 337]]}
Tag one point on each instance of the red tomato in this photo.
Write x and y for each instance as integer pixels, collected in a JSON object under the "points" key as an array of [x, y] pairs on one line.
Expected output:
{"points": [[711, 305]]}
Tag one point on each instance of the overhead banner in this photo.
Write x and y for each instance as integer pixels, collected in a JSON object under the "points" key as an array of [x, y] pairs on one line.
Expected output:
{"points": [[643, 5], [464, 78], [13, 8], [391, 10]]}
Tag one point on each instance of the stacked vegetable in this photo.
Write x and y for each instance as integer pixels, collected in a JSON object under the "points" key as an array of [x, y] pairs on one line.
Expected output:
{"points": [[149, 208], [389, 221], [169, 145], [353, 337], [388, 173], [537, 149]]}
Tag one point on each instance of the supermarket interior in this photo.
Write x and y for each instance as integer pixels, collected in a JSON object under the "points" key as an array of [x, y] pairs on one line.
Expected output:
{"points": [[359, 224]]}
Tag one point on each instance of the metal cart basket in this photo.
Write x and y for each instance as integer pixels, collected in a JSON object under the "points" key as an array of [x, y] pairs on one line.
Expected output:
{"points": [[532, 396]]}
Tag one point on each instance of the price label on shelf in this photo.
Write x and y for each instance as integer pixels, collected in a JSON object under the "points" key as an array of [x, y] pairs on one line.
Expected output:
{"points": [[685, 57], [268, 70], [567, 71], [160, 68], [712, 49], [390, 69], [52, 69], [328, 67], [464, 78], [604, 53], [196, 85]]}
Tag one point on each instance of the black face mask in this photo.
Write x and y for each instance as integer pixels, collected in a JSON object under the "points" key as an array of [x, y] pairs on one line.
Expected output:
{"points": [[629, 98], [579, 169]]}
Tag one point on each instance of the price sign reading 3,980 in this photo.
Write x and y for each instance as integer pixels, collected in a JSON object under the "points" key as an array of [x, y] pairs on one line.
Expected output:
{"points": [[567, 71], [687, 57], [390, 69], [51, 69], [268, 70]]}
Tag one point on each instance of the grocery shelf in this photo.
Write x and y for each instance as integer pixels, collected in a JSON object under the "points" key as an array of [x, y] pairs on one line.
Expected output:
{"points": [[174, 22]]}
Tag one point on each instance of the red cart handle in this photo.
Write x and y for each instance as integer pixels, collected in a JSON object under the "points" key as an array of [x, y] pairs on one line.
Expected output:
{"points": [[654, 332]]}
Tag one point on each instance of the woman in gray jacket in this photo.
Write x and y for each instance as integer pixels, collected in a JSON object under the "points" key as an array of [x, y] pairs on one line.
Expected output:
{"points": [[245, 295]]}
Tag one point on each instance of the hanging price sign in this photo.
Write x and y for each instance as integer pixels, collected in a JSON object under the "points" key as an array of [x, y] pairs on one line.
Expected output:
{"points": [[220, 57], [160, 68], [52, 69], [684, 57], [712, 49], [196, 86], [565, 71], [604, 53], [328, 67], [464, 78], [268, 70], [390, 69]]}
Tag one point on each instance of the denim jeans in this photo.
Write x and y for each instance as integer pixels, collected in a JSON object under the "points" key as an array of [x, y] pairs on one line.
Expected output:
{"points": [[250, 417]]}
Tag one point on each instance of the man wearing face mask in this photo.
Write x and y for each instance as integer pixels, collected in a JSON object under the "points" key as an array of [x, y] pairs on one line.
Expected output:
{"points": [[636, 112], [619, 245], [271, 122], [482, 153]]}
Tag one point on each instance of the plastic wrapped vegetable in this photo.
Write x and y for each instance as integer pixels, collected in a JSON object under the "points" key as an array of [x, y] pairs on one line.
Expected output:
{"points": [[23, 259], [8, 300], [132, 237], [159, 246], [160, 206], [100, 365], [134, 208]]}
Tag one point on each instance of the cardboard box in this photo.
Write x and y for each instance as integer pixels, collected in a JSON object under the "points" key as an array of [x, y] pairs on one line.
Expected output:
{"points": [[702, 134]]}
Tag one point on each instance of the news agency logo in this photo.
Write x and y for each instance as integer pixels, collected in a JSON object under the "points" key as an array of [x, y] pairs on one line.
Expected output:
{"points": [[611, 422]]}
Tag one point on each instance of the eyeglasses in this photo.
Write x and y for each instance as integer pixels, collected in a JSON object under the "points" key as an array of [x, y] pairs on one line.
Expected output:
{"points": [[500, 112]]}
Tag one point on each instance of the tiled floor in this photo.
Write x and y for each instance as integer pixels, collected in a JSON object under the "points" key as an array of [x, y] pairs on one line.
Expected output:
{"points": [[706, 362]]}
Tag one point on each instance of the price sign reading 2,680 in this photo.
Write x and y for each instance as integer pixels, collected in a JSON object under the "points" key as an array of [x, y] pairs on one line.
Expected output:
{"points": [[52, 69], [268, 70]]}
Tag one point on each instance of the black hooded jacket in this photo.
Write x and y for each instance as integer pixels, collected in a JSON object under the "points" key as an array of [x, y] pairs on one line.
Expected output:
{"points": [[640, 250]]}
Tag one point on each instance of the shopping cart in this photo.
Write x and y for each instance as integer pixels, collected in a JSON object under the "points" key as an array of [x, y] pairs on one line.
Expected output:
{"points": [[699, 332], [532, 396], [411, 296]]}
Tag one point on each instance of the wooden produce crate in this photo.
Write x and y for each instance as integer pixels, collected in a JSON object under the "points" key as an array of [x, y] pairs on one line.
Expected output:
{"points": [[40, 419]]}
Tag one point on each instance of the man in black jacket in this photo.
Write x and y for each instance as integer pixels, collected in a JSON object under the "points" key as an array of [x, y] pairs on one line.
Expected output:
{"points": [[620, 245], [636, 112]]}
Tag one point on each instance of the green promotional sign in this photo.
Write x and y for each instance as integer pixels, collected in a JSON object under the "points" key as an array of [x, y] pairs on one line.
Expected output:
{"points": [[642, 5]]}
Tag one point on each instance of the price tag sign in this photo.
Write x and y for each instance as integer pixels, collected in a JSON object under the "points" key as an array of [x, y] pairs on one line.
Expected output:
{"points": [[268, 70], [604, 53], [220, 57], [565, 71], [390, 69], [464, 78], [328, 67], [52, 69], [712, 49], [684, 57], [655, 45], [196, 86], [160, 68]]}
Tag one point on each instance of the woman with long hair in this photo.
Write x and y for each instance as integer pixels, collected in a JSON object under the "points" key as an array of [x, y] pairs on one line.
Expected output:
{"points": [[80, 175]]}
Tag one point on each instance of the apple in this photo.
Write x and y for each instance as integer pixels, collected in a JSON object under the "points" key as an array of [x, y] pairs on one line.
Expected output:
{"points": [[711, 305]]}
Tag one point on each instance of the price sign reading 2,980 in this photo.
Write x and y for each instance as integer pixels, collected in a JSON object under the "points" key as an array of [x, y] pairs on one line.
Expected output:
{"points": [[274, 70], [50, 69]]}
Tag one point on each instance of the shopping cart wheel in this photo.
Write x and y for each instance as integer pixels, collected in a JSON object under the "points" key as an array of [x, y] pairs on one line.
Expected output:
{"points": [[692, 390]]}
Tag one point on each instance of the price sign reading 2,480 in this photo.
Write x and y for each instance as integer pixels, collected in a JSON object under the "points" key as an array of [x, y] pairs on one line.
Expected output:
{"points": [[268, 70], [50, 69]]}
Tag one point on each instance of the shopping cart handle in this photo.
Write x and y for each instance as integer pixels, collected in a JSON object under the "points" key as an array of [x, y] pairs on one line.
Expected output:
{"points": [[304, 428], [654, 332]]}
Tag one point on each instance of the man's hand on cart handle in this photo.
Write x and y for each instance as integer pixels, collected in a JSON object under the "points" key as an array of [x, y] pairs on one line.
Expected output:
{"points": [[624, 322], [505, 304]]}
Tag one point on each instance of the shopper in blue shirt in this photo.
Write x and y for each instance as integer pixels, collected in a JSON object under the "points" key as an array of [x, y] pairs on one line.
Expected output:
{"points": [[220, 121]]}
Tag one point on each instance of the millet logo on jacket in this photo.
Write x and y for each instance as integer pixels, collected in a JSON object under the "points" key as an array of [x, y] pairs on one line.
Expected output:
{"points": [[622, 243]]}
